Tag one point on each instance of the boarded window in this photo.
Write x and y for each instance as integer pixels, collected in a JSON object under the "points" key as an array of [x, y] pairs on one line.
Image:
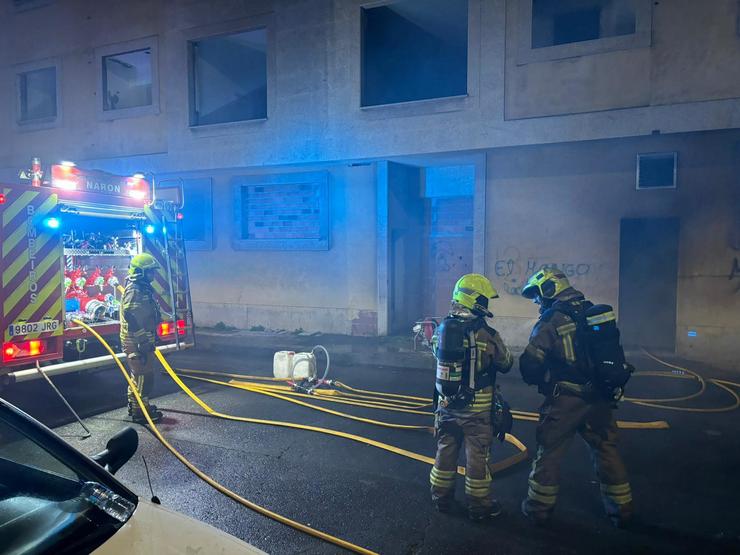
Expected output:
{"points": [[37, 94], [656, 171], [414, 50], [567, 21], [282, 212], [127, 80], [229, 78]]}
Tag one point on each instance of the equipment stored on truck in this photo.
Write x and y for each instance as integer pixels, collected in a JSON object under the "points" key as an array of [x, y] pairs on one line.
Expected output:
{"points": [[68, 236]]}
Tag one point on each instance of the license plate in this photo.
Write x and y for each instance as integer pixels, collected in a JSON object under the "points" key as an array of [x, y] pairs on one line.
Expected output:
{"points": [[26, 328]]}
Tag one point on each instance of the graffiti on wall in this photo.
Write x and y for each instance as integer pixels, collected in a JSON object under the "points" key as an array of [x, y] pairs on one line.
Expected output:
{"points": [[512, 269]]}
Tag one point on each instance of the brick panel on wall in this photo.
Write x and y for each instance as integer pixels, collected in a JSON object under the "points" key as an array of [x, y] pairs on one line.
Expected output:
{"points": [[285, 211], [281, 212]]}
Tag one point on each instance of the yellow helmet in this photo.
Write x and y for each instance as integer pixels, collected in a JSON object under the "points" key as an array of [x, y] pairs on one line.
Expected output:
{"points": [[142, 262], [473, 291], [545, 283]]}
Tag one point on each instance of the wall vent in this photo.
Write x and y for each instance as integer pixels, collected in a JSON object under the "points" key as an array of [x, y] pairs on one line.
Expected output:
{"points": [[657, 170]]}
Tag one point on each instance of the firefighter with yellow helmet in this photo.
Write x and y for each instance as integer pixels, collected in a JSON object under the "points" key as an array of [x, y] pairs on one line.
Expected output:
{"points": [[469, 353], [140, 317], [575, 359]]}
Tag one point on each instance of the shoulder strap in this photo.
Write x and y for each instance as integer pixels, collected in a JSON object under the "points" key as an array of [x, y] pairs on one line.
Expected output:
{"points": [[579, 319]]}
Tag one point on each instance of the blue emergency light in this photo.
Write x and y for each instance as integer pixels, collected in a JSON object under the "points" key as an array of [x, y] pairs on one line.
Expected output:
{"points": [[52, 223], [149, 229]]}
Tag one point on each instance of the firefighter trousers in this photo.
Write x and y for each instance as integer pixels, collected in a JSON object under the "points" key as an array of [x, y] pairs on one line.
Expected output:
{"points": [[561, 417], [476, 435], [142, 369]]}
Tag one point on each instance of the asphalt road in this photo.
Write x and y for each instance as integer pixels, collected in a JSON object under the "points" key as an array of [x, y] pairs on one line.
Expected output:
{"points": [[685, 479]]}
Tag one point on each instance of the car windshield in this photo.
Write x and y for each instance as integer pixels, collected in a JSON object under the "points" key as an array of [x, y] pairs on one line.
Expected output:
{"points": [[46, 505]]}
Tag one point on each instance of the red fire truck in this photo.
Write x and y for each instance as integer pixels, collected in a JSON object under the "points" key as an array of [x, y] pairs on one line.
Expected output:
{"points": [[67, 237]]}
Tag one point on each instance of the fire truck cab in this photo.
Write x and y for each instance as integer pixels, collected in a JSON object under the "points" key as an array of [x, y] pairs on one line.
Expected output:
{"points": [[67, 237]]}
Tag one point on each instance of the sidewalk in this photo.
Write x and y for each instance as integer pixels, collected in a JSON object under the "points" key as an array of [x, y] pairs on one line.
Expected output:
{"points": [[395, 351]]}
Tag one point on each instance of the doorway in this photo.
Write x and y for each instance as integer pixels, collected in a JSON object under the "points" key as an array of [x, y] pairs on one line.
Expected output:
{"points": [[448, 250], [430, 239], [648, 282]]}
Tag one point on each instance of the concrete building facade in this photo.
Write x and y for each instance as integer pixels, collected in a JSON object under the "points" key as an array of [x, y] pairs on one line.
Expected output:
{"points": [[330, 211]]}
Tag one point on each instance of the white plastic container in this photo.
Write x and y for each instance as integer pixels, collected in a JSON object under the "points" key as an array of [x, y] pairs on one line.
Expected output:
{"points": [[292, 365], [304, 366], [282, 364]]}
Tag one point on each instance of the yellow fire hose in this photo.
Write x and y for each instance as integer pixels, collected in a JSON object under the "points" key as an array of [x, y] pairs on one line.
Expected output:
{"points": [[686, 374], [330, 398], [373, 399], [495, 467], [210, 481], [374, 396], [517, 414]]}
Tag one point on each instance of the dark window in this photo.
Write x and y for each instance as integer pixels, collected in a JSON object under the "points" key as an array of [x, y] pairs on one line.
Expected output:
{"points": [[127, 80], [229, 78], [566, 21], [196, 212], [656, 171], [196, 224], [38, 94], [414, 50]]}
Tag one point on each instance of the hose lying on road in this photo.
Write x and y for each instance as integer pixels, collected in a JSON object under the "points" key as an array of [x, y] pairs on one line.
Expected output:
{"points": [[389, 404], [496, 467], [685, 373], [210, 481]]}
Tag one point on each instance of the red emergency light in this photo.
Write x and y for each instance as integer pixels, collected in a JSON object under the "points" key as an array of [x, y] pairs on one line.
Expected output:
{"points": [[168, 328], [25, 349], [66, 176], [2, 198], [164, 329], [137, 187]]}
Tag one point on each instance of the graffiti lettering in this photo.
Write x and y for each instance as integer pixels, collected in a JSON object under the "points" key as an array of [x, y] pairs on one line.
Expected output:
{"points": [[514, 269]]}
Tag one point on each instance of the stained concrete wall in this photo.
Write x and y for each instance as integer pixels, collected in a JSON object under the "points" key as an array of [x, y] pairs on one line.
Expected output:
{"points": [[333, 291], [688, 51], [685, 81], [314, 109], [562, 204]]}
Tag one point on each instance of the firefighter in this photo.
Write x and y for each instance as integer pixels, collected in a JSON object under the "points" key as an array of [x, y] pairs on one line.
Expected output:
{"points": [[140, 317], [554, 362], [463, 415]]}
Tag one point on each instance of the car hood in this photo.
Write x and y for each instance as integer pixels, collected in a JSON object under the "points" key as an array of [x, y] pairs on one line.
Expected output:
{"points": [[152, 529]]}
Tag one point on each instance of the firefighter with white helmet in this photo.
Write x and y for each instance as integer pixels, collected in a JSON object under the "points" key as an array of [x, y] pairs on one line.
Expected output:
{"points": [[140, 317], [575, 359], [469, 353]]}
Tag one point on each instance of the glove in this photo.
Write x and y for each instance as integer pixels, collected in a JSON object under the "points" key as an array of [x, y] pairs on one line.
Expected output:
{"points": [[137, 357], [501, 418], [437, 425]]}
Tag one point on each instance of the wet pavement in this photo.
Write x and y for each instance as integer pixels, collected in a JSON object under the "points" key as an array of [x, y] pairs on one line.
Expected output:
{"points": [[684, 479]]}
